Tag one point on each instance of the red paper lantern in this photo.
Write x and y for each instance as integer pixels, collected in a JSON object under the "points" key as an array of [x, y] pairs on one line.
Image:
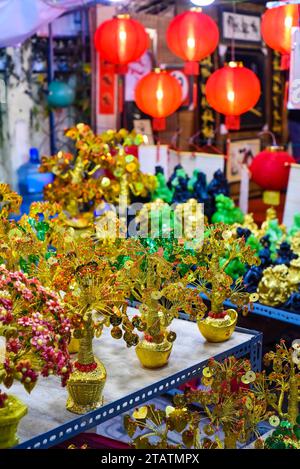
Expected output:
{"points": [[276, 28], [121, 40], [192, 35], [270, 168], [233, 90], [159, 95]]}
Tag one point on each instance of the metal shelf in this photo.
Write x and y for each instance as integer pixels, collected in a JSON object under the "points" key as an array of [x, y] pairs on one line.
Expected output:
{"points": [[263, 310], [128, 385], [273, 313]]}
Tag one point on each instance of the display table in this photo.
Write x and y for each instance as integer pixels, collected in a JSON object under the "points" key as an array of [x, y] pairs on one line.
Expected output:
{"points": [[128, 384]]}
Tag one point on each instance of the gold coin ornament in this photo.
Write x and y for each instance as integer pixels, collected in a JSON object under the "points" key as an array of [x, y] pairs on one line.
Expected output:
{"points": [[296, 344], [226, 234], [140, 413], [129, 158], [156, 295], [254, 297], [131, 167], [248, 403], [169, 410], [207, 381], [250, 376], [245, 380], [105, 182], [207, 372], [274, 420], [209, 430]]}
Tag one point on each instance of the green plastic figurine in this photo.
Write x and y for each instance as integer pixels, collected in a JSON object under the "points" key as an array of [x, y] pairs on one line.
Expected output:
{"points": [[235, 268], [254, 243], [296, 225], [275, 234], [162, 191], [193, 180], [226, 211]]}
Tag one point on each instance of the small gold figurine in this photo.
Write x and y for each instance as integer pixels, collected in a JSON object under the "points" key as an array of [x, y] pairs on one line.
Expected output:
{"points": [[275, 287]]}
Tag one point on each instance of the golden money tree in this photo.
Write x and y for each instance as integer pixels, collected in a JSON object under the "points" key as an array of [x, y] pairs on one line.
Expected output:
{"points": [[231, 412], [219, 249], [281, 386], [100, 170], [161, 292]]}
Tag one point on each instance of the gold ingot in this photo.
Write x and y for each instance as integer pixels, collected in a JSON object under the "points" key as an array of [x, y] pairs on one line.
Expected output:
{"points": [[152, 355], [218, 332]]}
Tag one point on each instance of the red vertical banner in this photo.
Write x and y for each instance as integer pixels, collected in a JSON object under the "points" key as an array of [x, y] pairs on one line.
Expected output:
{"points": [[106, 88]]}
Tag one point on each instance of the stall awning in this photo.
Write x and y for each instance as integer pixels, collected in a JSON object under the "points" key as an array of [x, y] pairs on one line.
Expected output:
{"points": [[20, 19]]}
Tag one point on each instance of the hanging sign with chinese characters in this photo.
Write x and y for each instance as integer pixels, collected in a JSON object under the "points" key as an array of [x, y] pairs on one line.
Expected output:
{"points": [[294, 85], [207, 115], [277, 94]]}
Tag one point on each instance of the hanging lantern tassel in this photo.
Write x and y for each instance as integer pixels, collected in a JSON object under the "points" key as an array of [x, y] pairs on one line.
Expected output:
{"points": [[192, 68], [159, 124], [271, 197], [285, 62], [121, 69], [233, 122]]}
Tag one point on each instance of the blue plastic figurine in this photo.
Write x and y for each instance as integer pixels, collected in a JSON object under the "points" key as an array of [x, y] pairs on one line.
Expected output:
{"points": [[285, 254]]}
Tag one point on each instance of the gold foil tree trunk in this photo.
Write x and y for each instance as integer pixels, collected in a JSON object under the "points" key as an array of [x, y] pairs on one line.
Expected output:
{"points": [[294, 398], [87, 381], [229, 438]]}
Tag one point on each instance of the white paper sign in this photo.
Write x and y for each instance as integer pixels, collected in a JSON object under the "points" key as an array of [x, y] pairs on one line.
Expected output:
{"points": [[292, 201], [294, 85], [206, 162], [244, 189], [153, 155]]}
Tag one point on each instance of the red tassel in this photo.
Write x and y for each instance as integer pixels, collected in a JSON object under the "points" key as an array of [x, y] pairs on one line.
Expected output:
{"points": [[122, 69], [191, 68], [159, 123], [285, 62], [120, 97], [158, 152], [195, 95], [233, 122]]}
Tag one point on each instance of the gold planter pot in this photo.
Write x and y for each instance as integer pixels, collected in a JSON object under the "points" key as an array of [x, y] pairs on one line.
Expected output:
{"points": [[218, 332], [152, 355], [10, 416], [86, 383]]}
